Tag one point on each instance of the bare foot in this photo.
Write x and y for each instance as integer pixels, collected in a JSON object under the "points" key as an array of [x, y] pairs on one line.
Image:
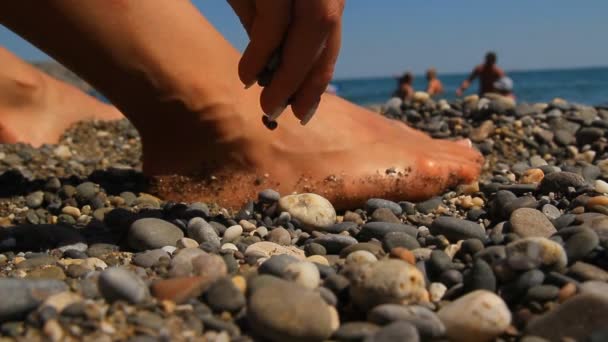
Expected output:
{"points": [[346, 153], [36, 108]]}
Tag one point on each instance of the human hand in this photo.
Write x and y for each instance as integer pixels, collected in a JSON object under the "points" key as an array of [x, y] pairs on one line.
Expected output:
{"points": [[307, 35]]}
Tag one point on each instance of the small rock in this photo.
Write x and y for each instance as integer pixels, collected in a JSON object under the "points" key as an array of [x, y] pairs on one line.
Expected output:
{"points": [[266, 249], [223, 295], [426, 321], [153, 233], [181, 289], [186, 243], [284, 311], [560, 181], [386, 281], [527, 222], [396, 331], [232, 233], [552, 255], [120, 284], [478, 316], [149, 258], [35, 199], [303, 273], [313, 211], [355, 331], [20, 296], [269, 196], [455, 229], [601, 186], [378, 230], [376, 203], [399, 239], [279, 236]]}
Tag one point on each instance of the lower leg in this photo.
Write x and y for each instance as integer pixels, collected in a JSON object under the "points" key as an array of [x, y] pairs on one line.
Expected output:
{"points": [[175, 78], [36, 108]]}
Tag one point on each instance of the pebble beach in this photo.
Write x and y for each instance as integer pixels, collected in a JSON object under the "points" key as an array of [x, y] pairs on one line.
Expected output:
{"points": [[87, 253]]}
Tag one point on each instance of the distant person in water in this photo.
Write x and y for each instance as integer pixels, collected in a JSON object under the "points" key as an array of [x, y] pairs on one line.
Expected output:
{"points": [[434, 86], [404, 86], [488, 72]]}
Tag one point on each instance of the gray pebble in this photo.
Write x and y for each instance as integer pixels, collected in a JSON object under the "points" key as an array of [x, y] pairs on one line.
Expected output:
{"points": [[117, 283], [399, 239], [20, 296], [153, 233], [425, 320], [375, 203], [560, 181], [378, 230], [355, 331], [335, 243], [223, 295], [279, 236], [457, 229], [396, 331], [149, 258], [527, 222], [35, 199]]}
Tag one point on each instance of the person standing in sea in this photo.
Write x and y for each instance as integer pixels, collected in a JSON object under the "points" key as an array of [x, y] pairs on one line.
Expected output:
{"points": [[488, 73], [178, 80], [434, 86]]}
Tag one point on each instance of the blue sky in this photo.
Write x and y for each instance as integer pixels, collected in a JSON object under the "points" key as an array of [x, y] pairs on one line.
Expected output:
{"points": [[385, 37]]}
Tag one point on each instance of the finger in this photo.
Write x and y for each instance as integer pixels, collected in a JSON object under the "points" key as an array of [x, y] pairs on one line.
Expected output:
{"points": [[311, 24], [267, 33], [306, 100], [245, 10]]}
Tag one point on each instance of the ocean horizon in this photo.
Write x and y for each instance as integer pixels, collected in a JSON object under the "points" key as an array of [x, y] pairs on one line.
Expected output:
{"points": [[587, 85]]}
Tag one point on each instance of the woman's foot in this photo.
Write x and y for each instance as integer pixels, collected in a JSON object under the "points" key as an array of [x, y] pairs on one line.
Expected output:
{"points": [[36, 108]]}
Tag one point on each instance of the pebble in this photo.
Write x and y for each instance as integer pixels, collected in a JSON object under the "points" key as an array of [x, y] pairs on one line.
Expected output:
{"points": [[355, 331], [481, 277], [384, 215], [527, 222], [306, 318], [576, 318], [266, 249], [386, 281], [201, 231], [117, 283], [560, 181], [35, 199], [430, 205], [396, 331], [313, 211], [552, 255], [437, 291], [399, 239], [223, 295], [277, 265], [477, 316], [457, 229], [153, 233], [232, 233], [335, 243], [426, 321], [20, 296], [304, 273], [360, 257], [584, 271], [374, 204], [186, 243], [581, 244], [179, 290], [601, 186], [269, 196], [279, 236], [377, 230]]}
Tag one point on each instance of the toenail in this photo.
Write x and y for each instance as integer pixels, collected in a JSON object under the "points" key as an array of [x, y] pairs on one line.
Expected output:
{"points": [[274, 115]]}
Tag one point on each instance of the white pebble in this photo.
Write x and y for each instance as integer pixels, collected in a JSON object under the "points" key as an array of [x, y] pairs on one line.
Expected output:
{"points": [[186, 243], [437, 291], [261, 231], [360, 257], [169, 249], [229, 246], [304, 273], [232, 233], [601, 186]]}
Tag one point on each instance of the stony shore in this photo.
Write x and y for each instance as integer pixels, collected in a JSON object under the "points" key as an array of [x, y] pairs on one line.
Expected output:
{"points": [[521, 255]]}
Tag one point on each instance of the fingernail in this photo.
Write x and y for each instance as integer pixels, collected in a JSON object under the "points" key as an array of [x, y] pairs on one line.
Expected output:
{"points": [[249, 85], [274, 115], [309, 114]]}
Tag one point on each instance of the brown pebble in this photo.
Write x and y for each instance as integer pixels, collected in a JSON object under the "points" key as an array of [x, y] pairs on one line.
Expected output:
{"points": [[532, 176], [597, 201], [403, 254], [566, 292], [180, 289], [577, 210]]}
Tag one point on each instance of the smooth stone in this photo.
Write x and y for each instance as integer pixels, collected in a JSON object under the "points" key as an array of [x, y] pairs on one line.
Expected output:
{"points": [[439, 261], [313, 211], [560, 181], [186, 243], [551, 211], [37, 262], [181, 264], [374, 204], [386, 281], [304, 273], [542, 293], [552, 255], [277, 265], [426, 321], [430, 205], [396, 331], [117, 283], [223, 295], [211, 266], [341, 227], [279, 236], [528, 280], [399, 239], [335, 243], [527, 222], [601, 186], [576, 318], [477, 316], [232, 233], [374, 248], [153, 233], [314, 248], [481, 277], [451, 277], [247, 226], [455, 229], [585, 272], [378, 230], [180, 289], [360, 257], [437, 291], [50, 272], [201, 231], [355, 331], [384, 215], [284, 311], [20, 296], [266, 249], [581, 244], [35, 199], [269, 196], [100, 250]]}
